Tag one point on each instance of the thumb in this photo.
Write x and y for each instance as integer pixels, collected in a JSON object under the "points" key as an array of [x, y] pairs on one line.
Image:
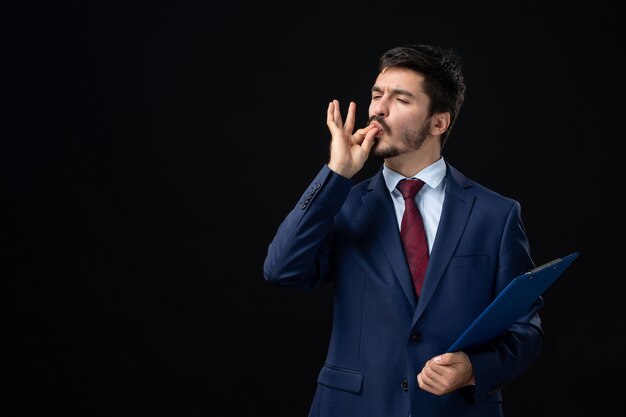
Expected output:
{"points": [[445, 359]]}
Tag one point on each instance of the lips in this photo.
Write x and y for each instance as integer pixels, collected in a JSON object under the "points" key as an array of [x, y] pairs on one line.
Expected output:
{"points": [[378, 126]]}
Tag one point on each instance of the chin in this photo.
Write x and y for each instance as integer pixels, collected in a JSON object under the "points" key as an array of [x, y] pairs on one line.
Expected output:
{"points": [[381, 151]]}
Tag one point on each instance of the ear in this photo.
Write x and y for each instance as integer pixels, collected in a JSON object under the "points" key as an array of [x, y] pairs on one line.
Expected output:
{"points": [[439, 123]]}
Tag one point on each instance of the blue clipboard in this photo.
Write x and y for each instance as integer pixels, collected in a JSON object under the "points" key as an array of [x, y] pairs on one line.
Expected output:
{"points": [[512, 303]]}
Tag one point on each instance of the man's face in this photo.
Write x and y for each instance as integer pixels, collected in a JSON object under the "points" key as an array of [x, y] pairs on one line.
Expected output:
{"points": [[399, 107]]}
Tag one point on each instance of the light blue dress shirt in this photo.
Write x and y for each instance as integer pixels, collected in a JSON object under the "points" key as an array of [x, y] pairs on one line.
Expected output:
{"points": [[429, 200]]}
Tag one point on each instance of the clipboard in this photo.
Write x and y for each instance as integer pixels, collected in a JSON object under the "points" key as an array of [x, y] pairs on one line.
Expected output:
{"points": [[512, 302]]}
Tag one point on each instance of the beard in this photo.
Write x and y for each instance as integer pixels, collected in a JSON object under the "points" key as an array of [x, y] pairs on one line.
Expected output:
{"points": [[411, 140]]}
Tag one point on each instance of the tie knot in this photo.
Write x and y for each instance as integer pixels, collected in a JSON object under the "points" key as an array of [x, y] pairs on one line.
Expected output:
{"points": [[410, 187]]}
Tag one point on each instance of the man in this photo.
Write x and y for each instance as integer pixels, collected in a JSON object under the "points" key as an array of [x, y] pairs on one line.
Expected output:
{"points": [[392, 325]]}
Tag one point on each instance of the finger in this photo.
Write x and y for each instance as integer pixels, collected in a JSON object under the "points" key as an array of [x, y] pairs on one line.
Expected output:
{"points": [[330, 118], [432, 373], [425, 382], [337, 114], [437, 369], [349, 125], [359, 135], [420, 381], [368, 142], [330, 113]]}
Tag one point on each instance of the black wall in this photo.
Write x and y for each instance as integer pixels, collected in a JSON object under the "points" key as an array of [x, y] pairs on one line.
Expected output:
{"points": [[150, 150]]}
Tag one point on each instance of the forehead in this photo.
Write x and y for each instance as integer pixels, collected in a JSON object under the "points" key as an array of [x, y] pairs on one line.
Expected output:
{"points": [[396, 78]]}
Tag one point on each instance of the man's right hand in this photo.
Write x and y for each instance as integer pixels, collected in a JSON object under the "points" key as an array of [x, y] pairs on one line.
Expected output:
{"points": [[348, 151]]}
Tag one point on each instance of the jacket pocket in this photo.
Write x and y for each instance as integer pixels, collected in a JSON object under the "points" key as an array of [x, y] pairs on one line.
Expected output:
{"points": [[342, 379]]}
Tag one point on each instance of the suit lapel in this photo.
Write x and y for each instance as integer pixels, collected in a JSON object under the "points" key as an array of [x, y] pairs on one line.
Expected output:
{"points": [[455, 214], [378, 202]]}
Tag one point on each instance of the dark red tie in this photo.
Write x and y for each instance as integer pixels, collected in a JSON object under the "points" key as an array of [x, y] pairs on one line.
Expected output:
{"points": [[412, 233]]}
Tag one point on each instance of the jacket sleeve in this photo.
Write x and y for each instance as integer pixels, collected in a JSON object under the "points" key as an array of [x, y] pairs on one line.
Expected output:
{"points": [[299, 253], [498, 363]]}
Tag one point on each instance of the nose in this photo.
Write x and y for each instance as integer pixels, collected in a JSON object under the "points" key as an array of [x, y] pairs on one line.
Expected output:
{"points": [[379, 106]]}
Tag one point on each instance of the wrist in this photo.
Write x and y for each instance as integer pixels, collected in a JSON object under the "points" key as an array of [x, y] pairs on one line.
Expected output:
{"points": [[340, 169]]}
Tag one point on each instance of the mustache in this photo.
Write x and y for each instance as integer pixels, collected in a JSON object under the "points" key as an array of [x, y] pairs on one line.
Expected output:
{"points": [[379, 119]]}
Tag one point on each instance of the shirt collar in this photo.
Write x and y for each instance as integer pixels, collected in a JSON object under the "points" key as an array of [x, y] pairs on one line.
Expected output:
{"points": [[432, 175]]}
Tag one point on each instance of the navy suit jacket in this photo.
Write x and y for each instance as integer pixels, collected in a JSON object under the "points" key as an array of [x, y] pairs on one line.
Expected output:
{"points": [[381, 336]]}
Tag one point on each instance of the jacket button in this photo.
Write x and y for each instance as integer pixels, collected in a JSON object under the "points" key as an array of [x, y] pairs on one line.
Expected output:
{"points": [[416, 337], [405, 384]]}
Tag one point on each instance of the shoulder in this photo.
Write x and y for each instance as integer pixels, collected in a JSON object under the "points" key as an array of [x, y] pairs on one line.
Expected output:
{"points": [[459, 183]]}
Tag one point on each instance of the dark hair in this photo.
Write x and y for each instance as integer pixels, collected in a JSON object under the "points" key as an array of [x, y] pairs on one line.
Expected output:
{"points": [[443, 76]]}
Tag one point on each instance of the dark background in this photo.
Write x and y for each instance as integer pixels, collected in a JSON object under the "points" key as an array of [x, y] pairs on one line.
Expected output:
{"points": [[152, 149]]}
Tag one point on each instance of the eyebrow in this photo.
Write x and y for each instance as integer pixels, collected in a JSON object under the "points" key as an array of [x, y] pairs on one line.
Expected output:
{"points": [[396, 91]]}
